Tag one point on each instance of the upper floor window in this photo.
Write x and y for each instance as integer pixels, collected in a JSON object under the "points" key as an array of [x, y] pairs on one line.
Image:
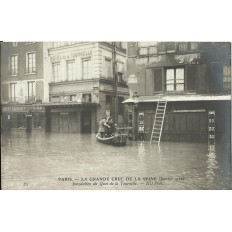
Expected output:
{"points": [[143, 44], [175, 79], [71, 74], [168, 47], [183, 46], [227, 77], [31, 62], [12, 92], [14, 44], [86, 97], [108, 68], [31, 91], [87, 68], [143, 51], [14, 65], [56, 72], [194, 46], [120, 67]]}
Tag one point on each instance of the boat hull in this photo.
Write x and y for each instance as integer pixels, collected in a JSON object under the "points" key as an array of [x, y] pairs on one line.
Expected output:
{"points": [[116, 140]]}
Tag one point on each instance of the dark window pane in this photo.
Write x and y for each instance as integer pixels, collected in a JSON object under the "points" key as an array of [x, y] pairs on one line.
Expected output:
{"points": [[191, 77], [158, 80], [216, 74]]}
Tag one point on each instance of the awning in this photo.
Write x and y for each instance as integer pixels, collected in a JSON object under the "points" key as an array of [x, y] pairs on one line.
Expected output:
{"points": [[177, 98]]}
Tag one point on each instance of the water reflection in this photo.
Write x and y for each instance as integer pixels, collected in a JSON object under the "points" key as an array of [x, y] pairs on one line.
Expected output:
{"points": [[40, 158], [212, 165]]}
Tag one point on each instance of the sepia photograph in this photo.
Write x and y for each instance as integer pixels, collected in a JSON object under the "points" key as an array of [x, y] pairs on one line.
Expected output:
{"points": [[116, 115]]}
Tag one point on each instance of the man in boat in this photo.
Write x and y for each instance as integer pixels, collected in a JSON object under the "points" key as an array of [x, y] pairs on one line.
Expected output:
{"points": [[110, 130], [103, 127]]}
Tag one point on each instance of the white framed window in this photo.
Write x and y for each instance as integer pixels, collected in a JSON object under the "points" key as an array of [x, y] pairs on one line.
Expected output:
{"points": [[30, 62], [108, 68], [87, 68], [175, 79], [143, 51], [14, 65], [71, 71], [56, 72], [31, 90], [227, 77], [12, 92]]}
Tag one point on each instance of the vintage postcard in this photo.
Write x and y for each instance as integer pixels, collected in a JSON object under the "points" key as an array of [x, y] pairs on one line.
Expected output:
{"points": [[105, 115]]}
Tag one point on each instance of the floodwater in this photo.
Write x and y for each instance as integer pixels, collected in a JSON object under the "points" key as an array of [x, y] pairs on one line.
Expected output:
{"points": [[77, 161]]}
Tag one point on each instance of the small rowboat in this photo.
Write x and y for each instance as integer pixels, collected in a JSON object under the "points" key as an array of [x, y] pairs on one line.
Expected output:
{"points": [[116, 140]]}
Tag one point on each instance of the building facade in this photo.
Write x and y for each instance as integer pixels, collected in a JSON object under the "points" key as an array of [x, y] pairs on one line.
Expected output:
{"points": [[63, 87], [24, 87], [81, 85], [193, 77]]}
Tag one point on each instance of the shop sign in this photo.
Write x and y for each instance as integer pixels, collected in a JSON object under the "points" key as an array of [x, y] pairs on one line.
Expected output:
{"points": [[23, 109], [72, 55], [132, 79]]}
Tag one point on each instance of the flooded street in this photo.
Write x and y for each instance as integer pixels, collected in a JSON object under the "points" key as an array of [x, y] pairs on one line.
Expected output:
{"points": [[77, 161]]}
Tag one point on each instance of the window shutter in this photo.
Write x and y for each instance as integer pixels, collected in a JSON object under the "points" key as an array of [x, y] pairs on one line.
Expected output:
{"points": [[149, 89], [216, 76], [191, 77], [158, 80], [39, 90]]}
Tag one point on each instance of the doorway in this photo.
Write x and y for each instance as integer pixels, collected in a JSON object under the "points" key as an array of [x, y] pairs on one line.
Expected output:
{"points": [[86, 122]]}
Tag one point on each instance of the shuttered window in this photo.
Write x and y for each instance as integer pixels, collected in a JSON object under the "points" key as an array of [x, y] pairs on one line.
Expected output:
{"points": [[216, 74], [191, 77], [158, 80]]}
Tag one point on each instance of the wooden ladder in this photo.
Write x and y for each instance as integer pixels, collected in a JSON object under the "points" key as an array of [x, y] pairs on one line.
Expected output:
{"points": [[158, 121]]}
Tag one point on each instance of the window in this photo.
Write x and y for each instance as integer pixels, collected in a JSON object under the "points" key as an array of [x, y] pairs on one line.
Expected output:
{"points": [[227, 77], [31, 91], [216, 73], [87, 69], [183, 47], [56, 72], [14, 65], [71, 74], [194, 46], [152, 50], [157, 80], [175, 79], [168, 47], [120, 77], [108, 68], [143, 44], [30, 63], [143, 51], [86, 98], [191, 77], [13, 92]]}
